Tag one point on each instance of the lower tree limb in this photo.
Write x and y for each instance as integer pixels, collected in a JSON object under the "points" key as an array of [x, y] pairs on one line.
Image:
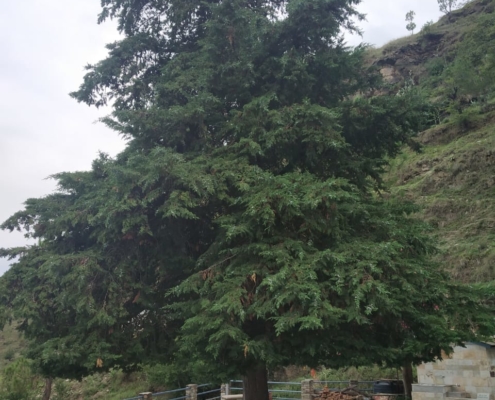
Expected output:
{"points": [[255, 383]]}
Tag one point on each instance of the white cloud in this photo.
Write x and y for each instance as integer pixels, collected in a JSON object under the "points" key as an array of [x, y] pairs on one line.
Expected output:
{"points": [[44, 46]]}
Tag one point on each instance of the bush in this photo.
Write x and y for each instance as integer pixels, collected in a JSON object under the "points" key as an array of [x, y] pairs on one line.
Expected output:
{"points": [[160, 376], [9, 354], [435, 66], [92, 385], [426, 29], [17, 381], [61, 390], [467, 118], [358, 373]]}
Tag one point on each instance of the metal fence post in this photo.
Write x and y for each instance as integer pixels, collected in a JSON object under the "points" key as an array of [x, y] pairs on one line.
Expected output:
{"points": [[146, 395], [307, 389], [192, 392]]}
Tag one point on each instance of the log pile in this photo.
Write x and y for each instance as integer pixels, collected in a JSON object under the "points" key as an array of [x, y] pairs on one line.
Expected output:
{"points": [[327, 394]]}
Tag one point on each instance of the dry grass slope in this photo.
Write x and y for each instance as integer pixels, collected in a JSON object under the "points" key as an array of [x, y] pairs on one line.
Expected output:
{"points": [[453, 177], [11, 345]]}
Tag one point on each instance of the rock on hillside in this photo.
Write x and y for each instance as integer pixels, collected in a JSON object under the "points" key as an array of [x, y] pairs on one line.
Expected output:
{"points": [[405, 57]]}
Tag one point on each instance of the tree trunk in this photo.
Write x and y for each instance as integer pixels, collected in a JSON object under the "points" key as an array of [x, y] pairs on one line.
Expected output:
{"points": [[48, 389], [255, 384], [407, 376]]}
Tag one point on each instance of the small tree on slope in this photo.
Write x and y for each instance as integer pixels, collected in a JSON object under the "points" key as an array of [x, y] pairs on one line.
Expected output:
{"points": [[241, 229], [447, 6], [411, 26]]}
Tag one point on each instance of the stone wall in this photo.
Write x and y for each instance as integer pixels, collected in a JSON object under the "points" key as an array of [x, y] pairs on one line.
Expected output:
{"points": [[425, 391], [467, 371]]}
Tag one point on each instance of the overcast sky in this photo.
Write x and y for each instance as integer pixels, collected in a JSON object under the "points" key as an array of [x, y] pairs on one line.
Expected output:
{"points": [[44, 45]]}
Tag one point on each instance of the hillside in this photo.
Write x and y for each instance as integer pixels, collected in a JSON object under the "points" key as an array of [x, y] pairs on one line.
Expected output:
{"points": [[11, 345], [453, 181], [453, 176], [436, 43]]}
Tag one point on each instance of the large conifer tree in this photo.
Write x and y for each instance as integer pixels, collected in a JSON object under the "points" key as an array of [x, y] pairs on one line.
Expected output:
{"points": [[242, 228]]}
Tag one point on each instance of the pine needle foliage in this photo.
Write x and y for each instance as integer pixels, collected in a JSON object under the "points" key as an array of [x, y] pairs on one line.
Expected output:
{"points": [[243, 227]]}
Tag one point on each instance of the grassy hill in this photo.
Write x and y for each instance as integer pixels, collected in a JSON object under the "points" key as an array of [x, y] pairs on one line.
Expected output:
{"points": [[435, 43], [453, 180], [11, 345], [453, 176]]}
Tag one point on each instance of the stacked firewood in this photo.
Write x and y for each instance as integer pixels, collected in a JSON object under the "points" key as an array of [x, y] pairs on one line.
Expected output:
{"points": [[327, 394]]}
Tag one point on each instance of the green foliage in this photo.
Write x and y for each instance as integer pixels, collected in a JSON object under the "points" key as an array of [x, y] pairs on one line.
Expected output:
{"points": [[114, 385], [11, 344], [16, 381], [9, 354], [435, 66], [463, 75], [243, 224], [159, 376], [447, 6], [466, 118], [365, 373], [473, 69], [410, 19], [426, 29], [61, 390], [452, 179]]}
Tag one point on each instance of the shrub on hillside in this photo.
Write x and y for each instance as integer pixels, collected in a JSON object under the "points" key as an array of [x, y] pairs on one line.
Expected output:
{"points": [[9, 354], [466, 119], [62, 390], [16, 382], [426, 29], [367, 373]]}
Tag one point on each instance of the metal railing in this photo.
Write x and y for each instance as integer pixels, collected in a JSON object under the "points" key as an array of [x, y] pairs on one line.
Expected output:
{"points": [[205, 392], [362, 386], [208, 392], [278, 390], [174, 394]]}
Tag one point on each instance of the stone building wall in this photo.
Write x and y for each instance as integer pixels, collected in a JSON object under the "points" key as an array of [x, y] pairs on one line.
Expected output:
{"points": [[467, 372]]}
